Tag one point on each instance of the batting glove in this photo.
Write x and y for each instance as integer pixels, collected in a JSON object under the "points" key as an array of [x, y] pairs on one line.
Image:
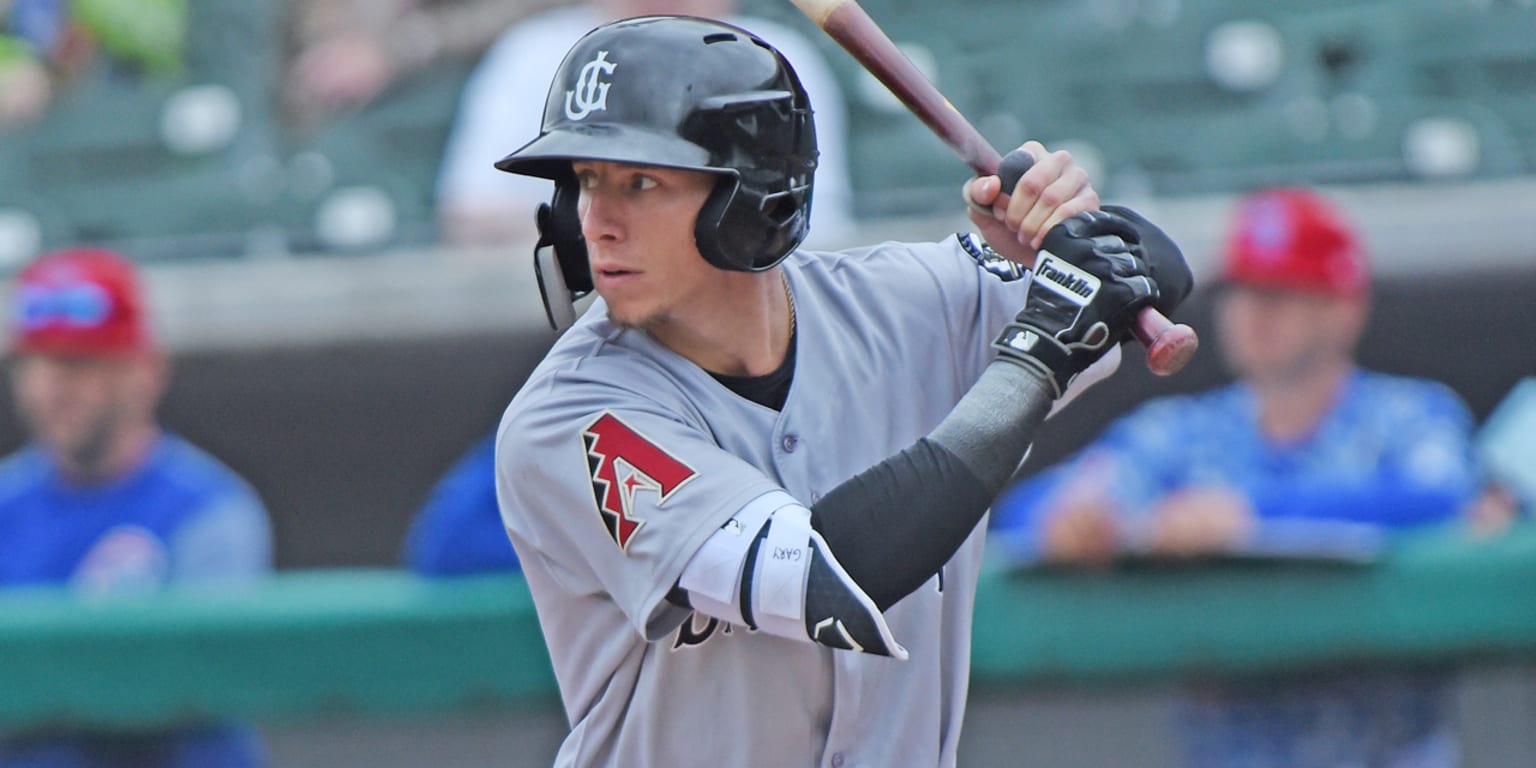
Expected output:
{"points": [[1089, 282]]}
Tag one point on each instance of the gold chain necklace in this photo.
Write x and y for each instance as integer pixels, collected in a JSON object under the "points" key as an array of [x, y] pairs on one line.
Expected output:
{"points": [[790, 297]]}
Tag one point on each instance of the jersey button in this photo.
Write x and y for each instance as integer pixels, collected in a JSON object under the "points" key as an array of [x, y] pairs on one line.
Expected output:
{"points": [[790, 443], [837, 760]]}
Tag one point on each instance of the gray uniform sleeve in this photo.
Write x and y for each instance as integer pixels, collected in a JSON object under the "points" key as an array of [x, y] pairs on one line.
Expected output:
{"points": [[613, 493]]}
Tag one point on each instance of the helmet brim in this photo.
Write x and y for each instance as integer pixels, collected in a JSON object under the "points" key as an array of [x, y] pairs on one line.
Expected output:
{"points": [[549, 156]]}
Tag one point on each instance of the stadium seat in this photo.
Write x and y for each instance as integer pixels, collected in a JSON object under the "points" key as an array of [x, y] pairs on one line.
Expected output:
{"points": [[160, 166], [1480, 53], [1132, 79], [392, 146]]}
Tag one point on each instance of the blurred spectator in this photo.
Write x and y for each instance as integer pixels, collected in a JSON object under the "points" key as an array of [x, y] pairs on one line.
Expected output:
{"points": [[1506, 450], [1301, 455], [25, 85], [350, 51], [479, 205], [46, 43], [1494, 509], [34, 49], [103, 500], [458, 532]]}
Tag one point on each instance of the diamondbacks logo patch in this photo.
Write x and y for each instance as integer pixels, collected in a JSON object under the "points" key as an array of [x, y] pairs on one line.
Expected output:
{"points": [[622, 462]]}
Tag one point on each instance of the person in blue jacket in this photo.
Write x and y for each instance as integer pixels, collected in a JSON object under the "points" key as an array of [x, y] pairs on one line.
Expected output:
{"points": [[1307, 451], [458, 531], [104, 502]]}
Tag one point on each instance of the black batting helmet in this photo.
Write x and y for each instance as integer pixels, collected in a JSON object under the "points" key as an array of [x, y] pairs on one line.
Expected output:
{"points": [[682, 92]]}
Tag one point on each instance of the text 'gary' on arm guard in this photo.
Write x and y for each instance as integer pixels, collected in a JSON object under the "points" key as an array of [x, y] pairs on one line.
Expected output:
{"points": [[893, 526]]}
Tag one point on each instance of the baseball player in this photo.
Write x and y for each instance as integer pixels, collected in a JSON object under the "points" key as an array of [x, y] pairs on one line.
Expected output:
{"points": [[746, 486]]}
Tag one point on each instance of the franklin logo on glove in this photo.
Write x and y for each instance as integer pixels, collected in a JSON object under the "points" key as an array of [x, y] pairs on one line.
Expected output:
{"points": [[1069, 281]]}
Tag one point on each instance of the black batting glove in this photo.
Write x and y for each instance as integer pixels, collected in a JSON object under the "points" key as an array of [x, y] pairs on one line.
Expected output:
{"points": [[1089, 282], [1165, 262]]}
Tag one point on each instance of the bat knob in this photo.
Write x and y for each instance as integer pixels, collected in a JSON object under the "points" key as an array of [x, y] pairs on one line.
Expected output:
{"points": [[1171, 349], [1012, 168]]}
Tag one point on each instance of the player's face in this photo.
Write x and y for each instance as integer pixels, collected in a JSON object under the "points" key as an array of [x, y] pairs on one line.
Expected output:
{"points": [[638, 223], [76, 407], [1276, 336]]}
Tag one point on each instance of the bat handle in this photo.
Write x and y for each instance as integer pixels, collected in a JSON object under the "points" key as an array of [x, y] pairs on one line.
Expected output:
{"points": [[1169, 345]]}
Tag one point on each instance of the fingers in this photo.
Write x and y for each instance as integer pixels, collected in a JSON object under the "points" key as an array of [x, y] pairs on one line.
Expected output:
{"points": [[1050, 192], [980, 192], [1015, 221], [1054, 189]]}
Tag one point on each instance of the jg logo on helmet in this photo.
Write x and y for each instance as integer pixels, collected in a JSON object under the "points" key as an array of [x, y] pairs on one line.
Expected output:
{"points": [[590, 94]]}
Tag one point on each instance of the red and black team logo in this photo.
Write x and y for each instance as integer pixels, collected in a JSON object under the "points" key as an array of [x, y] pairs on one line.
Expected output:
{"points": [[622, 462]]}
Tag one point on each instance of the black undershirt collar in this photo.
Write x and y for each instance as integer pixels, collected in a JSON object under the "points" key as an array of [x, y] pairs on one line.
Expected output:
{"points": [[770, 389]]}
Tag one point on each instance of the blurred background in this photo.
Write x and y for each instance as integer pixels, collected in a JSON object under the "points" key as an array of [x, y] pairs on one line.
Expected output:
{"points": [[333, 346]]}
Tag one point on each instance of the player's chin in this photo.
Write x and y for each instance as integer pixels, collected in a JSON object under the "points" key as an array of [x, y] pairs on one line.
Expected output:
{"points": [[620, 319], [626, 314]]}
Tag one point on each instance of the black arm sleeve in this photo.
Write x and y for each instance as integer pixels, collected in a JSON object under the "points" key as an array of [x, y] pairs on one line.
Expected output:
{"points": [[894, 525], [897, 523]]}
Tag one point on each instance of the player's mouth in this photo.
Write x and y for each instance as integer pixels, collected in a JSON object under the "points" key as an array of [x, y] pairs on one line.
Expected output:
{"points": [[613, 276]]}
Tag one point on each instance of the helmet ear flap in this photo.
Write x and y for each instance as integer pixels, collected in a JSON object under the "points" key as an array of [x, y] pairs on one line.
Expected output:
{"points": [[560, 229], [763, 226], [707, 229], [560, 256]]}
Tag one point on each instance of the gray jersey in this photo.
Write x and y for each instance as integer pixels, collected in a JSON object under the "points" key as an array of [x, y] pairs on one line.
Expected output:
{"points": [[619, 458]]}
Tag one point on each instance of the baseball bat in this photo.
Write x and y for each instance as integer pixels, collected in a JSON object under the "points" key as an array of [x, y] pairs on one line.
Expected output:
{"points": [[1169, 346]]}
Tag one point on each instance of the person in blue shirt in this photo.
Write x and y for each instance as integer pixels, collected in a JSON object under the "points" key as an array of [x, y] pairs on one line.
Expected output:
{"points": [[1505, 446], [458, 530], [1306, 450], [103, 501]]}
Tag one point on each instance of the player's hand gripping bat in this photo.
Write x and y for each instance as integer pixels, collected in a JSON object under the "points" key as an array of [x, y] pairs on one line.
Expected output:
{"points": [[1169, 346]]}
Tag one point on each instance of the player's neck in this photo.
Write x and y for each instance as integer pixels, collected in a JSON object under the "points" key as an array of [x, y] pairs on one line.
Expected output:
{"points": [[743, 331], [1292, 411]]}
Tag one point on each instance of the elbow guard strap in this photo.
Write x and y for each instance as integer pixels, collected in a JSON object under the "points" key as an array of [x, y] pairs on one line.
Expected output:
{"points": [[768, 569]]}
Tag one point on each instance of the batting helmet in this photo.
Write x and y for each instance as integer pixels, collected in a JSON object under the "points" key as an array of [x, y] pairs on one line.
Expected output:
{"points": [[681, 92]]}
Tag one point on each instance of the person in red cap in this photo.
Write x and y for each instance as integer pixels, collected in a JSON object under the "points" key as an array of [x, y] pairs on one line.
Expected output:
{"points": [[1306, 454], [105, 502]]}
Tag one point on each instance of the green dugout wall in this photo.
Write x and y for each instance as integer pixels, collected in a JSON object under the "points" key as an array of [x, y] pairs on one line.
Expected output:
{"points": [[367, 642]]}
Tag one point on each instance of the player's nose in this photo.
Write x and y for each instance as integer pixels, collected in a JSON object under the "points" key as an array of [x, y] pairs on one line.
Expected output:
{"points": [[601, 217]]}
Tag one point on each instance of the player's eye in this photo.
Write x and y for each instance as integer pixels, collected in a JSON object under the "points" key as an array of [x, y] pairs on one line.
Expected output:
{"points": [[642, 182], [586, 179]]}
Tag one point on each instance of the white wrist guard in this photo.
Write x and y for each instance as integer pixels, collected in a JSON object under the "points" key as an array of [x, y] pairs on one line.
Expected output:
{"points": [[767, 569]]}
